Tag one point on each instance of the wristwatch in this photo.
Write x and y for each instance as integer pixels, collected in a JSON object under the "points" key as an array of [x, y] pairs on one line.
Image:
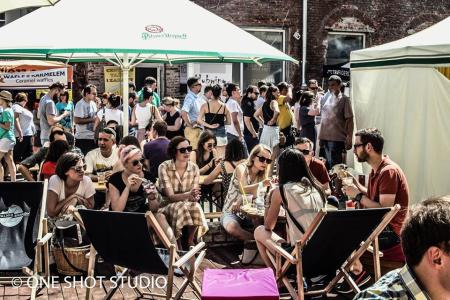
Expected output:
{"points": [[358, 197]]}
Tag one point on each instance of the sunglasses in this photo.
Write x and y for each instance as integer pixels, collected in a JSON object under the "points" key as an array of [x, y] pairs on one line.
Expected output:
{"points": [[305, 151], [185, 149], [211, 145], [79, 169], [263, 159], [137, 161], [355, 146]]}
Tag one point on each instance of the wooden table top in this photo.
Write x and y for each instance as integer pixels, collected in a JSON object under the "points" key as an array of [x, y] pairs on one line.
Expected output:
{"points": [[202, 179], [252, 212]]}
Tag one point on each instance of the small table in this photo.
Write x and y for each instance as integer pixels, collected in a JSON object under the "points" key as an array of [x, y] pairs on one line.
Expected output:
{"points": [[253, 214]]}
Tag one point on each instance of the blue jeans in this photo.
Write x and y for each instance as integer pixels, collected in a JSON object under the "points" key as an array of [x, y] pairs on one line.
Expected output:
{"points": [[334, 151], [231, 137]]}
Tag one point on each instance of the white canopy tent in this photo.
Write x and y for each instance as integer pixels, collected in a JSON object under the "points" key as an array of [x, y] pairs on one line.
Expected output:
{"points": [[398, 88], [132, 32]]}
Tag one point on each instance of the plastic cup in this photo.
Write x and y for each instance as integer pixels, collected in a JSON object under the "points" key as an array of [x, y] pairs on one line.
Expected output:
{"points": [[101, 178]]}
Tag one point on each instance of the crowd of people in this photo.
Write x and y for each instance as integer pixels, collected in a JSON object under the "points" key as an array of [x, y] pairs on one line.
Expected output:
{"points": [[268, 138]]}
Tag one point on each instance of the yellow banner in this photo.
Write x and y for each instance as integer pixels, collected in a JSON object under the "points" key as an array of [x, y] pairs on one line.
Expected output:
{"points": [[113, 79]]}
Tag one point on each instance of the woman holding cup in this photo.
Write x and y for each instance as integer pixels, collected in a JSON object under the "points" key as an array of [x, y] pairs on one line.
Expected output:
{"points": [[179, 182], [243, 187]]}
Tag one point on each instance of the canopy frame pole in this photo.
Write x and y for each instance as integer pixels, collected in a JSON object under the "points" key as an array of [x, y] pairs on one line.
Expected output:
{"points": [[120, 61], [141, 60], [67, 61], [125, 67], [169, 60], [255, 60], [110, 60], [134, 58]]}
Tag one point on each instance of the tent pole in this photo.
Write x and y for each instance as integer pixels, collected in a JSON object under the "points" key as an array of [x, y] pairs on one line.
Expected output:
{"points": [[125, 67]]}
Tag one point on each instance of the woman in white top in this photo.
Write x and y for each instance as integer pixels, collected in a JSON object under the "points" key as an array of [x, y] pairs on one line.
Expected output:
{"points": [[24, 128], [144, 113], [301, 196], [69, 187], [110, 111]]}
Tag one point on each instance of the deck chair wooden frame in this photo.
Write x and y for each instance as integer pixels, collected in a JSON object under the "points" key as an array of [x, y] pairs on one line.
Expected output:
{"points": [[282, 260], [189, 259], [41, 265]]}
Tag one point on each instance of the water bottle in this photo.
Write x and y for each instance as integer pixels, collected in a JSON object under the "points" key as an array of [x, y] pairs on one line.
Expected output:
{"points": [[260, 194]]}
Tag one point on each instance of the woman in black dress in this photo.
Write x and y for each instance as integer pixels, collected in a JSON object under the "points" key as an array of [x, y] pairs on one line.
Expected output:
{"points": [[172, 118], [308, 112]]}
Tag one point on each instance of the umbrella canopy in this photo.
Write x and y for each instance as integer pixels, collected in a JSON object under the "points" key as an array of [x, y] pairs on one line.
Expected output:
{"points": [[427, 47], [160, 31], [130, 32], [6, 5]]}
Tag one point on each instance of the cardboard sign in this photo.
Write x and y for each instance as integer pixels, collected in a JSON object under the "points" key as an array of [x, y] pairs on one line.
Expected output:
{"points": [[113, 79]]}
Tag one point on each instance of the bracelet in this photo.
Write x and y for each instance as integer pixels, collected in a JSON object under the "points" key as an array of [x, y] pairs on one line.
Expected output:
{"points": [[358, 197]]}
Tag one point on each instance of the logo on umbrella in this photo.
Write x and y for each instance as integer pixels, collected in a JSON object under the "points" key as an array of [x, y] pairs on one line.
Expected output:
{"points": [[154, 28]]}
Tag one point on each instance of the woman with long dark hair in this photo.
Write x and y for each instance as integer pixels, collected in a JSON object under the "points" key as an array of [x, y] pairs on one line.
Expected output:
{"points": [[301, 196], [308, 112], [251, 124], [268, 115], [206, 154], [55, 151], [214, 115]]}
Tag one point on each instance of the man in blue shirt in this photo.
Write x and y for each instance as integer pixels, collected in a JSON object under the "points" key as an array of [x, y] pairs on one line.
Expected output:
{"points": [[426, 244], [191, 108]]}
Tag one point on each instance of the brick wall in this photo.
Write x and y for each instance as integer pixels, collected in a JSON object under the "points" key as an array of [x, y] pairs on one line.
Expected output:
{"points": [[382, 20]]}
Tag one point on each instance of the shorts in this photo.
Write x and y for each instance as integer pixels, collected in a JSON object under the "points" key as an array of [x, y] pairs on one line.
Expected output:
{"points": [[228, 217], [221, 135], [6, 145]]}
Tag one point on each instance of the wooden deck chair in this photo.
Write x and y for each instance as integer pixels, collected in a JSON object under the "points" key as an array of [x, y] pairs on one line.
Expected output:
{"points": [[333, 241], [24, 236], [124, 239]]}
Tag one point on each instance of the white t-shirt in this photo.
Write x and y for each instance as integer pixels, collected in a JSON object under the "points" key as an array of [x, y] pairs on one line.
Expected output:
{"points": [[25, 120], [233, 106], [111, 114], [96, 161], [143, 115], [85, 109], [86, 188]]}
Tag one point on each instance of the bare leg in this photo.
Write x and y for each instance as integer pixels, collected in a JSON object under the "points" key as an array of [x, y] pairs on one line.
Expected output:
{"points": [[2, 172], [262, 236], [191, 235], [275, 153], [25, 173], [11, 166], [233, 228], [165, 226]]}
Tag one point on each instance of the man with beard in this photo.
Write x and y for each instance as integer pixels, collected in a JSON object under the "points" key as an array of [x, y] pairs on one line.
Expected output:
{"points": [[387, 184], [47, 111]]}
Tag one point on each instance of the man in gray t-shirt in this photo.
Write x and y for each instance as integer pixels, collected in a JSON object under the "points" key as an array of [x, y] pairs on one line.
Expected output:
{"points": [[47, 112], [84, 117]]}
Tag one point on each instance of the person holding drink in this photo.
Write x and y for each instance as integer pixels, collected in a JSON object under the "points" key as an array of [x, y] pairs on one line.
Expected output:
{"points": [[179, 183], [244, 184], [133, 189]]}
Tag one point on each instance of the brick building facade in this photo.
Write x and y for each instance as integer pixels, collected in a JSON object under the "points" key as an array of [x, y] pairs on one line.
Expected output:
{"points": [[360, 23]]}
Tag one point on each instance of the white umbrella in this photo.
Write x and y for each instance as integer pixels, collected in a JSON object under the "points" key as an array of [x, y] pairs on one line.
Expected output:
{"points": [[6, 5], [130, 32]]}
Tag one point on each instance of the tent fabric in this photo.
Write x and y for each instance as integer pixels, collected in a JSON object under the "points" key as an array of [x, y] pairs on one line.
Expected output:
{"points": [[148, 30], [427, 47], [410, 106], [7, 5]]}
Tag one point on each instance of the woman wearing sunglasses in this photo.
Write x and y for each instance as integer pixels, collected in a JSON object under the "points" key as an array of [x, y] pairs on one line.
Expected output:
{"points": [[245, 182], [69, 186], [179, 182], [300, 194], [206, 154], [132, 189]]}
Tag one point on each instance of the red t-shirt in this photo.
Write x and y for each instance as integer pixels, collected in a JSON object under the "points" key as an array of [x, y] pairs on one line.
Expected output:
{"points": [[390, 179], [319, 171], [48, 169]]}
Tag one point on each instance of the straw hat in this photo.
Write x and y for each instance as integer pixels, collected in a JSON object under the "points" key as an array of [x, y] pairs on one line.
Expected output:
{"points": [[6, 96]]}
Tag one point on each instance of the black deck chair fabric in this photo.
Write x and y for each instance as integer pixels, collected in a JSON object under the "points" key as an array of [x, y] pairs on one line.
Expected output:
{"points": [[20, 212], [338, 235], [123, 239]]}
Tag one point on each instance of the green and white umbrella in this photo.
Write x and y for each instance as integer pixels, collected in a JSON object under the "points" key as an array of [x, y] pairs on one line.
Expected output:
{"points": [[6, 5], [130, 32]]}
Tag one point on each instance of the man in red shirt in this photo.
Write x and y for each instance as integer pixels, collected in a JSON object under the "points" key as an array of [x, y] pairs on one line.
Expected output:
{"points": [[387, 183]]}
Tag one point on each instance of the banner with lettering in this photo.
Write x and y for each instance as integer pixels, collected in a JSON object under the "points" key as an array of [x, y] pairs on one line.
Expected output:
{"points": [[32, 79], [113, 79]]}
